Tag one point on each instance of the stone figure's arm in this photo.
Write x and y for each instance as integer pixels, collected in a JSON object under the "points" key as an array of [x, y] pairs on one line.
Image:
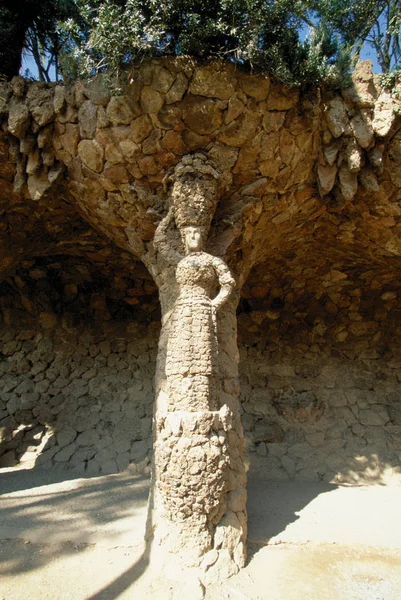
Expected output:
{"points": [[163, 240], [226, 281]]}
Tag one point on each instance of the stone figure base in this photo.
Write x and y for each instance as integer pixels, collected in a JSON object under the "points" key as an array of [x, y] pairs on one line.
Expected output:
{"points": [[200, 492]]}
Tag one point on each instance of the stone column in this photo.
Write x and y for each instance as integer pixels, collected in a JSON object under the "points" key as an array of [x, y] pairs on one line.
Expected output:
{"points": [[198, 504], [198, 514]]}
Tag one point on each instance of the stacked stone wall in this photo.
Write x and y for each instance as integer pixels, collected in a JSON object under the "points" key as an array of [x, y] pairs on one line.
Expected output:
{"points": [[322, 418], [320, 372], [81, 399], [77, 399]]}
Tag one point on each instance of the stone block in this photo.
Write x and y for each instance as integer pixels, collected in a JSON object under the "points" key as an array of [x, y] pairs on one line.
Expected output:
{"points": [[65, 454], [25, 387], [267, 432], [289, 465], [18, 118], [88, 438], [326, 177], [306, 474], [394, 411], [374, 415], [383, 114], [201, 115], [91, 154], [177, 90], [336, 117], [348, 182], [161, 79], [46, 457], [362, 128], [240, 130], [97, 91], [59, 99], [282, 98], [29, 400], [93, 467], [109, 467], [82, 454], [261, 449], [123, 461], [87, 119], [9, 459], [316, 439], [151, 100], [13, 403], [9, 348], [139, 450], [120, 110], [106, 454], [122, 444], [211, 82], [345, 413]]}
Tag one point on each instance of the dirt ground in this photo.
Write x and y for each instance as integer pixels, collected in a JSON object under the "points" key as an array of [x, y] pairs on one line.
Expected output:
{"points": [[68, 538]]}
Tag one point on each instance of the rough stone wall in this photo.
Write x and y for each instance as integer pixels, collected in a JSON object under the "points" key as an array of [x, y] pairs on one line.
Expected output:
{"points": [[83, 399], [285, 155], [319, 402], [77, 367], [312, 199], [322, 418], [320, 378], [77, 400]]}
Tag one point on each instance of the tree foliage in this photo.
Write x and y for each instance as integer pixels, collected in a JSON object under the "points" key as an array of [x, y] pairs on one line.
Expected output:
{"points": [[85, 37], [373, 22], [32, 25], [261, 34]]}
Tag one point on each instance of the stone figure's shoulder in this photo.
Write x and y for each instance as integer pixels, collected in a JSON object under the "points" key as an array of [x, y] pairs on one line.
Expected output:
{"points": [[219, 265], [217, 262], [223, 271]]}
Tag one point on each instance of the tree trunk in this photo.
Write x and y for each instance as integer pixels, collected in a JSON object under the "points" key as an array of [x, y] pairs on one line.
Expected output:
{"points": [[10, 54]]}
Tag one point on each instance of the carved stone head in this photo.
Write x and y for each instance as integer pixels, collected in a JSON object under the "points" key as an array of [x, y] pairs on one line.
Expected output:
{"points": [[193, 238]]}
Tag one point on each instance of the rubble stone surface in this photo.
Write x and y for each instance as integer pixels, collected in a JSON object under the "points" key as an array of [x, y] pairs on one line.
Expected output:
{"points": [[306, 218]]}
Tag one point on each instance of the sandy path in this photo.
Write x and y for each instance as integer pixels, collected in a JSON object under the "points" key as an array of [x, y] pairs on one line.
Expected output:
{"points": [[81, 539]]}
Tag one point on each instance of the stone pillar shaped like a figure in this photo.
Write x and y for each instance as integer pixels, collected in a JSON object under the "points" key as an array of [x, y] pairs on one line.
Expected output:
{"points": [[199, 511]]}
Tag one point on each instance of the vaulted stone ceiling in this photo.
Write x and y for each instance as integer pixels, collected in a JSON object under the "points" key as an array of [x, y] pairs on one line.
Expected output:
{"points": [[311, 195]]}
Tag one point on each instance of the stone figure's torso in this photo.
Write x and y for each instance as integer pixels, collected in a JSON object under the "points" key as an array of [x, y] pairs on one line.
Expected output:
{"points": [[192, 344], [195, 276]]}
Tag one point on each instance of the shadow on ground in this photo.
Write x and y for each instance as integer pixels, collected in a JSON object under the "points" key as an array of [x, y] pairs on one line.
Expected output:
{"points": [[48, 507], [86, 534], [272, 506]]}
